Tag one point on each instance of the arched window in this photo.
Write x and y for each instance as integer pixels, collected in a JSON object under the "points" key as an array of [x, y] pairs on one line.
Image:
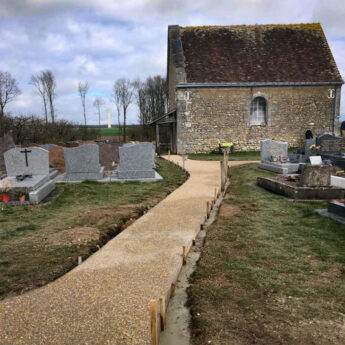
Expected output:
{"points": [[258, 111]]}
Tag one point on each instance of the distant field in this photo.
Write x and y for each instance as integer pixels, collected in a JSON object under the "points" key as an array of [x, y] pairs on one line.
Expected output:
{"points": [[110, 131]]}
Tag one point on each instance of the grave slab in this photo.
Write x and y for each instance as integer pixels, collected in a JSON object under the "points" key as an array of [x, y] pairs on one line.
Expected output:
{"points": [[39, 194], [294, 191]]}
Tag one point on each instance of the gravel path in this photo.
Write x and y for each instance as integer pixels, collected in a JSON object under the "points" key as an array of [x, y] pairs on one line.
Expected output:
{"points": [[105, 300]]}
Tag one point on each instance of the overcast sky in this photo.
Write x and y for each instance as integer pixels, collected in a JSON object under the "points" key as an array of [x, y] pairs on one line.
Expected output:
{"points": [[102, 40]]}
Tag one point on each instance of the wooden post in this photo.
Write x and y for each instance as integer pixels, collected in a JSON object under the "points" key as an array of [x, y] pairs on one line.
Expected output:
{"points": [[169, 155], [162, 313], [222, 184], [193, 242], [153, 321], [201, 226], [215, 193], [184, 254], [80, 260], [172, 292], [208, 209]]}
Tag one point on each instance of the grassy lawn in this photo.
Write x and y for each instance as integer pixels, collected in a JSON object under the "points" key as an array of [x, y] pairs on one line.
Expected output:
{"points": [[110, 131], [271, 271], [236, 156], [39, 244]]}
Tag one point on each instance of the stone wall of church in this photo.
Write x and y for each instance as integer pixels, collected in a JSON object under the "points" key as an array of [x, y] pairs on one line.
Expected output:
{"points": [[209, 116]]}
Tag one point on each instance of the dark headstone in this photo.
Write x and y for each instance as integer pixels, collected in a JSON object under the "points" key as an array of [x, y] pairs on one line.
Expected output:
{"points": [[330, 144], [6, 143]]}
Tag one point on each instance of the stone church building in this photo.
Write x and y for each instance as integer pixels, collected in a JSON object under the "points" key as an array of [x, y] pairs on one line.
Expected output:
{"points": [[242, 84]]}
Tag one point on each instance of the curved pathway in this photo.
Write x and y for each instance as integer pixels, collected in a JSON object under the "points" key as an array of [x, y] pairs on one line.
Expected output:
{"points": [[105, 300]]}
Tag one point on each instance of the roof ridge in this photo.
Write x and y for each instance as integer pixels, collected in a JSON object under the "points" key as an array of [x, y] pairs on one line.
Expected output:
{"points": [[316, 25]]}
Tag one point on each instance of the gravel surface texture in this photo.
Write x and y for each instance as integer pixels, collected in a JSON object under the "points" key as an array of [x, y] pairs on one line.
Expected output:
{"points": [[105, 300]]}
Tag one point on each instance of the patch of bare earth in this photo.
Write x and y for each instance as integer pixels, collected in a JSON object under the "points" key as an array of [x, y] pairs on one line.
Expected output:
{"points": [[73, 236]]}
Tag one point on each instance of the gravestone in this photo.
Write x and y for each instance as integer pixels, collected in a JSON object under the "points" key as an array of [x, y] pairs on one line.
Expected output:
{"points": [[329, 144], [6, 143], [269, 148], [274, 157], [137, 161], [331, 149], [28, 169], [82, 163]]}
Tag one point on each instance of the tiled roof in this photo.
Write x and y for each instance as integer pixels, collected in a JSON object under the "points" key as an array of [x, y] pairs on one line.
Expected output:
{"points": [[257, 53]]}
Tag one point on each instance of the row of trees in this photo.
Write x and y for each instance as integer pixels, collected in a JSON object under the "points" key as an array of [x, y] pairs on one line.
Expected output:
{"points": [[151, 96]]}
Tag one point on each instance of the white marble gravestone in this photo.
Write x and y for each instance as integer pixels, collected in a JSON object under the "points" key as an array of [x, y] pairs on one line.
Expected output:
{"points": [[270, 149]]}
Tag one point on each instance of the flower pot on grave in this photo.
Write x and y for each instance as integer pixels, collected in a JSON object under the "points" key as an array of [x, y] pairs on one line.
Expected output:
{"points": [[6, 197]]}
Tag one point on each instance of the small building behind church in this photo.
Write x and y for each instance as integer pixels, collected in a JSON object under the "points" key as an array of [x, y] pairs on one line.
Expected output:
{"points": [[243, 84]]}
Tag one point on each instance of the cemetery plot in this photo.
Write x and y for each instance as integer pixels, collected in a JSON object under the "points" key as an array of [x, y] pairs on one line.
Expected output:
{"points": [[28, 171], [37, 245], [274, 157], [271, 271]]}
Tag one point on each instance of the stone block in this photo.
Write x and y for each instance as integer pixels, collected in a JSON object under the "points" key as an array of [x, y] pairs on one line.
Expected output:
{"points": [[280, 168], [315, 175], [37, 195]]}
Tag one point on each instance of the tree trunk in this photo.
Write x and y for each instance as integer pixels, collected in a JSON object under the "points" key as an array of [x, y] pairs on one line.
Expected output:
{"points": [[124, 124], [45, 110]]}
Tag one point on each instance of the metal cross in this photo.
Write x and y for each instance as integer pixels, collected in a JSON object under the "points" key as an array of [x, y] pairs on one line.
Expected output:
{"points": [[26, 156]]}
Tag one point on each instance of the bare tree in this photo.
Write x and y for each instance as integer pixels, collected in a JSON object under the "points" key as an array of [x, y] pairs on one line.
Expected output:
{"points": [[38, 81], [151, 98], [97, 103], [117, 100], [83, 88], [8, 90], [49, 86], [123, 88]]}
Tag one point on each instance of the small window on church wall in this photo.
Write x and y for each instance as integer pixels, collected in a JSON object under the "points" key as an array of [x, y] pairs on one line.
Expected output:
{"points": [[258, 110]]}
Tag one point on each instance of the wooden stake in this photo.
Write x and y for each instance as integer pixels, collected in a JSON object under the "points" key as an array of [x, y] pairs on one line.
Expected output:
{"points": [[80, 260], [169, 155], [153, 321], [184, 255], [208, 209], [222, 175], [172, 292], [201, 226], [162, 313], [193, 242]]}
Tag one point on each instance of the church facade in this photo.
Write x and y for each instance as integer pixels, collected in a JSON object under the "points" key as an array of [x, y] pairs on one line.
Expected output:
{"points": [[242, 84]]}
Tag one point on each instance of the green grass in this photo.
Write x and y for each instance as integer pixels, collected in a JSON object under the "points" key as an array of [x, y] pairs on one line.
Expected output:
{"points": [[110, 131], [271, 272], [236, 156], [28, 255]]}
